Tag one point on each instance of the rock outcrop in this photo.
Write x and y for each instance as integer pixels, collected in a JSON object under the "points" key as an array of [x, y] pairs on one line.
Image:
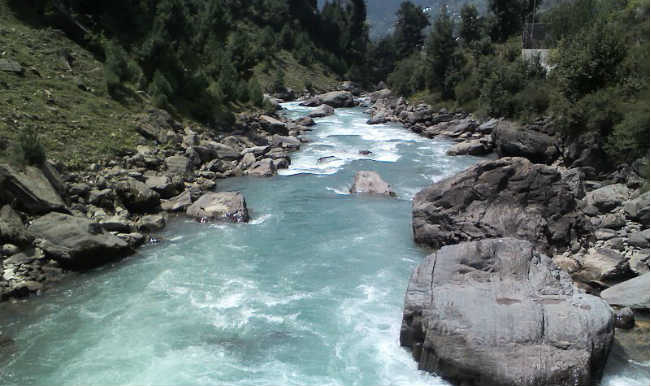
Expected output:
{"points": [[506, 197], [633, 293], [76, 242], [223, 206], [510, 141], [28, 190], [368, 182], [497, 312]]}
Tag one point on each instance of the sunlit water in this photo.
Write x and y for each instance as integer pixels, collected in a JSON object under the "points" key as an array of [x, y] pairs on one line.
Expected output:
{"points": [[309, 292]]}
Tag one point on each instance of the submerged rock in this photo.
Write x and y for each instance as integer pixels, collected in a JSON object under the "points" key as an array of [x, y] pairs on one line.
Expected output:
{"points": [[371, 183], [225, 206], [497, 312]]}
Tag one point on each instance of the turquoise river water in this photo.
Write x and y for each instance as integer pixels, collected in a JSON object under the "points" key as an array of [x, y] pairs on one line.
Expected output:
{"points": [[310, 292]]}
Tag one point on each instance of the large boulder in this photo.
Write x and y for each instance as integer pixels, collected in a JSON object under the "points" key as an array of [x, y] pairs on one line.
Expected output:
{"points": [[638, 209], [28, 190], [177, 203], [76, 242], [371, 183], [602, 265], [224, 206], [178, 164], [504, 197], [136, 196], [263, 168], [165, 186], [633, 293], [498, 312], [273, 125], [12, 229], [472, 147], [607, 197], [321, 111], [511, 141], [337, 99]]}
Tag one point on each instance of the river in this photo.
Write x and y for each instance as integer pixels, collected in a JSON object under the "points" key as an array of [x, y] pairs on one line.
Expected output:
{"points": [[310, 292]]}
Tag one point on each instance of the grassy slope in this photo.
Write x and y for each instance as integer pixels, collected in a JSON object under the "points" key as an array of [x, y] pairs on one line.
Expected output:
{"points": [[82, 126], [76, 126]]}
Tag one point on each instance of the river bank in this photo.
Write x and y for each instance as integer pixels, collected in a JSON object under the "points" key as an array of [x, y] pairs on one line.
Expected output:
{"points": [[408, 161]]}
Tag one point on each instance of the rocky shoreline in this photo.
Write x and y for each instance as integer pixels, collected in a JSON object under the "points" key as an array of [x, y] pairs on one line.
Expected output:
{"points": [[54, 221], [550, 200]]}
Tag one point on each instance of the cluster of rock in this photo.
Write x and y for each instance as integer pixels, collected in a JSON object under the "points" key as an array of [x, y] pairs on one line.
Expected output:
{"points": [[496, 303], [51, 222]]}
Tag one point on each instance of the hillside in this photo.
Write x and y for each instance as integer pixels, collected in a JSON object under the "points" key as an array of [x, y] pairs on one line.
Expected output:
{"points": [[60, 85]]}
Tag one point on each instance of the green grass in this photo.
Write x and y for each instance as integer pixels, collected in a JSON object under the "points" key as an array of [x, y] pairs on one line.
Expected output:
{"points": [[295, 73], [75, 126]]}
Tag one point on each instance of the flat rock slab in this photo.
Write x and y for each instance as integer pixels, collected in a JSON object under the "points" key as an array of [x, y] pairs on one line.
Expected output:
{"points": [[76, 242], [633, 293], [497, 312], [223, 206], [29, 190]]}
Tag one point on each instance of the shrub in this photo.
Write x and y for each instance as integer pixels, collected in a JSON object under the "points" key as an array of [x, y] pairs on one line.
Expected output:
{"points": [[160, 90], [255, 92], [630, 137], [28, 149]]}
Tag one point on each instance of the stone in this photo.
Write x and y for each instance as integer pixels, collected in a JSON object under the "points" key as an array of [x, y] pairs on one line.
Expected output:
{"points": [[587, 150], [337, 99], [473, 147], [505, 197], [603, 264], [76, 242], [8, 249], [12, 229], [321, 111], [263, 168], [247, 161], [612, 221], [498, 312], [637, 209], [369, 182], [152, 223], [488, 126], [633, 293], [639, 262], [223, 206], [639, 239], [624, 318], [256, 150], [78, 189], [136, 196], [164, 185], [306, 121], [604, 234], [273, 125], [351, 87], [8, 65], [286, 142], [116, 224], [178, 203], [178, 164], [28, 190], [512, 141], [607, 198], [103, 198], [221, 151]]}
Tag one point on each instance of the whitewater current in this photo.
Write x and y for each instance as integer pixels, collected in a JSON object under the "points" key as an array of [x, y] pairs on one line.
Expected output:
{"points": [[310, 292]]}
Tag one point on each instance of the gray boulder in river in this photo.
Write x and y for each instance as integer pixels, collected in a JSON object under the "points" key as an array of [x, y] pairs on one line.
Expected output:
{"points": [[497, 312], [513, 141], [76, 242], [505, 197], [224, 206], [337, 99], [371, 183]]}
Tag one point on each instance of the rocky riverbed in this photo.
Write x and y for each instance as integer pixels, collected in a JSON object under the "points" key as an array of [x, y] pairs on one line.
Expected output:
{"points": [[590, 220]]}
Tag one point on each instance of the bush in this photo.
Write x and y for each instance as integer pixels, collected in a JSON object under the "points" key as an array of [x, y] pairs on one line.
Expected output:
{"points": [[160, 90], [255, 92], [28, 149], [534, 99], [630, 138], [408, 77]]}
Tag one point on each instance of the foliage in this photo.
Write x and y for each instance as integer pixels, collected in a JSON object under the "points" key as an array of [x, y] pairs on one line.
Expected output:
{"points": [[28, 149], [408, 76], [440, 56], [471, 27], [408, 36]]}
